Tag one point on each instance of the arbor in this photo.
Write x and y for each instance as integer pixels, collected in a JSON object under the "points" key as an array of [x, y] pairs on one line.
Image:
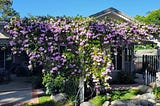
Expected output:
{"points": [[6, 11], [152, 18], [72, 48]]}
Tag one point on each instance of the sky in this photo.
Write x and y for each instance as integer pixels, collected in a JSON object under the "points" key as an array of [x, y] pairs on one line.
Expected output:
{"points": [[82, 7]]}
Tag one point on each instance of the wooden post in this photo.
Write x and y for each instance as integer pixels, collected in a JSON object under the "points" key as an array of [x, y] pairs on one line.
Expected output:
{"points": [[81, 80], [146, 77], [81, 87], [115, 54]]}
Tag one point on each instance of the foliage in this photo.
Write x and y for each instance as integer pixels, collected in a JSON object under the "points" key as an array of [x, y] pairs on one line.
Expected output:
{"points": [[70, 101], [52, 83], [71, 88], [123, 95], [73, 47], [152, 18], [114, 95], [156, 92], [145, 46], [45, 101], [6, 12], [98, 100]]}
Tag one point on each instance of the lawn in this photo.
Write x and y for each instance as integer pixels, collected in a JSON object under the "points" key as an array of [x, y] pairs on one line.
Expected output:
{"points": [[114, 95], [97, 100], [45, 101]]}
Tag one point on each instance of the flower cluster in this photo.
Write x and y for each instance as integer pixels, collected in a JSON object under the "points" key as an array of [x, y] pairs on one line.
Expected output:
{"points": [[74, 46]]}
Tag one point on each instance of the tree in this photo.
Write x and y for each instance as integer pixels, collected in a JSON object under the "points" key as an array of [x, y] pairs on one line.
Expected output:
{"points": [[153, 17], [6, 11]]}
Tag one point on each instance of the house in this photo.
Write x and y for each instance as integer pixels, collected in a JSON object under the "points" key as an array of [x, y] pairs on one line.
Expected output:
{"points": [[5, 56], [123, 59], [8, 62], [4, 38]]}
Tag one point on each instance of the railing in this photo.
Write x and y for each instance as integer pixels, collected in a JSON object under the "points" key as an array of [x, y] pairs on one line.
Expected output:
{"points": [[151, 64], [138, 63]]}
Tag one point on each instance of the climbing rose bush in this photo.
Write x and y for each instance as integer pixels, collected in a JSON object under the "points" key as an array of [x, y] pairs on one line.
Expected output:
{"points": [[74, 47]]}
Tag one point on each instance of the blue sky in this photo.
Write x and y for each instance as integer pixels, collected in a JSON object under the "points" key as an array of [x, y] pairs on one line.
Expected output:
{"points": [[82, 7]]}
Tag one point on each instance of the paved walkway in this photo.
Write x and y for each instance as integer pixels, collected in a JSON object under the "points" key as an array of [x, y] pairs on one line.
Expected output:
{"points": [[17, 92]]}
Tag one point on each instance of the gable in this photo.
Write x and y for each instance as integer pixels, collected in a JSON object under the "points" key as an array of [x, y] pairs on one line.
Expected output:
{"points": [[113, 13], [2, 36]]}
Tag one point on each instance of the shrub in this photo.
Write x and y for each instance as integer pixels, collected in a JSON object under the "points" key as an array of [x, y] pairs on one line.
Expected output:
{"points": [[156, 92], [98, 100]]}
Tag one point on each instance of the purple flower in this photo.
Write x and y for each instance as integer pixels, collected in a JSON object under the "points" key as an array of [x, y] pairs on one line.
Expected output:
{"points": [[95, 80], [41, 49], [73, 73], [58, 57], [82, 43], [22, 49], [23, 32], [19, 41], [12, 43], [79, 71], [49, 43], [25, 41], [56, 38], [43, 70], [30, 67], [35, 38], [87, 75], [54, 69], [70, 43], [108, 78], [42, 35]]}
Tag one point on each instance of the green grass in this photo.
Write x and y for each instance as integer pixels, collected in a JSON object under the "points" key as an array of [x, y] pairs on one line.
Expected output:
{"points": [[156, 92], [114, 95], [98, 100], [123, 95], [45, 101], [145, 46]]}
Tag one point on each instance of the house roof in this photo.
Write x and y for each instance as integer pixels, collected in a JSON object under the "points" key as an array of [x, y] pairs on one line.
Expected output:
{"points": [[2, 36], [113, 13], [116, 14], [4, 39]]}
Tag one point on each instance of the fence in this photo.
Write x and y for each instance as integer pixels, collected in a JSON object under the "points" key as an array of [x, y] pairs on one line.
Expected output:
{"points": [[138, 63], [150, 67]]}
